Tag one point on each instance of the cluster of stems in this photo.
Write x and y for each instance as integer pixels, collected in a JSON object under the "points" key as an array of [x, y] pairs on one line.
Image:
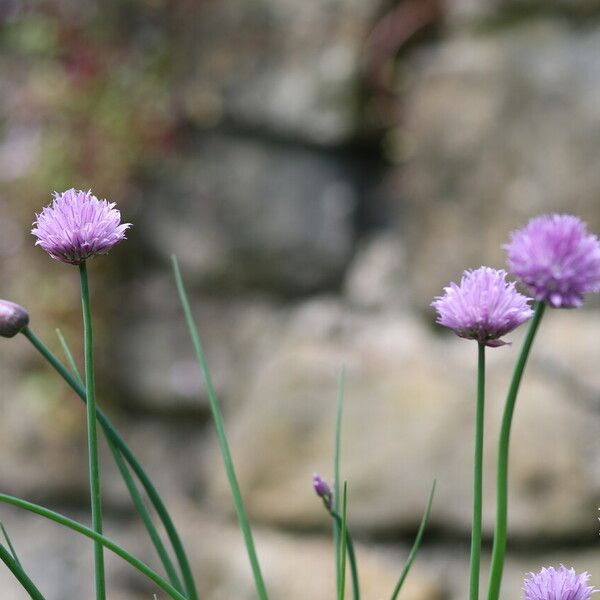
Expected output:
{"points": [[179, 582], [500, 531]]}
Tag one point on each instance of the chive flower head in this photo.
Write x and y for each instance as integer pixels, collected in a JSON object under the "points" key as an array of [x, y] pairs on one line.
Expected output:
{"points": [[557, 584], [77, 226], [323, 490], [13, 318], [556, 258], [483, 307]]}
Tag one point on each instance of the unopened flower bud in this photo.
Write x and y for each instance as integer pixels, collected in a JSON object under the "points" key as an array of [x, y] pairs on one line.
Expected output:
{"points": [[322, 490], [13, 318]]}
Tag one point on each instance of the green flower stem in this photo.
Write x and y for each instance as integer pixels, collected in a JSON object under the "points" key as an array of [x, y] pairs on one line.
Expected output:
{"points": [[104, 541], [94, 468], [131, 486], [221, 436], [344, 536], [499, 547], [10, 545], [477, 478], [351, 557], [336, 473], [69, 356], [17, 570], [147, 520], [417, 543], [113, 436]]}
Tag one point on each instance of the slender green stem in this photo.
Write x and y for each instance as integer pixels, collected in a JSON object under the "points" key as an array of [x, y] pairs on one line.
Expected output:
{"points": [[336, 472], [477, 478], [221, 436], [17, 570], [499, 548], [114, 436], [344, 535], [165, 559], [10, 545], [130, 483], [104, 541], [94, 468], [351, 557], [416, 545], [69, 356]]}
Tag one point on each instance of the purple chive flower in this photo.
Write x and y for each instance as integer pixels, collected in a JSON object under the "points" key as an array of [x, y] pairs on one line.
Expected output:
{"points": [[484, 307], [78, 226], [13, 318], [557, 584], [322, 490], [556, 257]]}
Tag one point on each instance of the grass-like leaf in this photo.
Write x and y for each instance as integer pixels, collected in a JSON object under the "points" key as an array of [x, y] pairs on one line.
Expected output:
{"points": [[221, 436], [10, 545], [115, 437], [69, 356], [13, 564], [417, 543], [336, 472], [106, 542], [344, 536], [131, 486]]}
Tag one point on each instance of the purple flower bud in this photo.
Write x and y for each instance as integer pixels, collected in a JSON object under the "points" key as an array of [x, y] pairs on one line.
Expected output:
{"points": [[13, 318], [322, 490], [556, 258], [78, 226], [557, 584], [484, 307]]}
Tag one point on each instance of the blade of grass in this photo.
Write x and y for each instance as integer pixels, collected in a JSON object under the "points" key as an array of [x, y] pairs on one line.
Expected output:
{"points": [[112, 434], [351, 558], [344, 536], [221, 436], [10, 545], [131, 487], [417, 543], [97, 538], [163, 555], [17, 570], [336, 471], [69, 356]]}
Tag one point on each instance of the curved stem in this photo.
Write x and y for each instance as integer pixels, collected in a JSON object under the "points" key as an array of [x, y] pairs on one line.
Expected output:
{"points": [[114, 436], [12, 563], [477, 478], [130, 484], [94, 468], [146, 519], [98, 538], [499, 548]]}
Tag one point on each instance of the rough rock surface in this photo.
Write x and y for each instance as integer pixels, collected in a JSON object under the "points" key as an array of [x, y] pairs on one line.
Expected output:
{"points": [[251, 213], [408, 418], [493, 142], [283, 66]]}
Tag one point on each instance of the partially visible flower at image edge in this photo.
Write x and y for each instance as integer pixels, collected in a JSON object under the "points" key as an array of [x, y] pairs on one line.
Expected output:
{"points": [[483, 307], [13, 318], [556, 258], [78, 226], [557, 584]]}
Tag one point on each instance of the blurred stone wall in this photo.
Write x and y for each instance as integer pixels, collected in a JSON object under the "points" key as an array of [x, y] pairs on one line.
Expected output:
{"points": [[321, 169]]}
